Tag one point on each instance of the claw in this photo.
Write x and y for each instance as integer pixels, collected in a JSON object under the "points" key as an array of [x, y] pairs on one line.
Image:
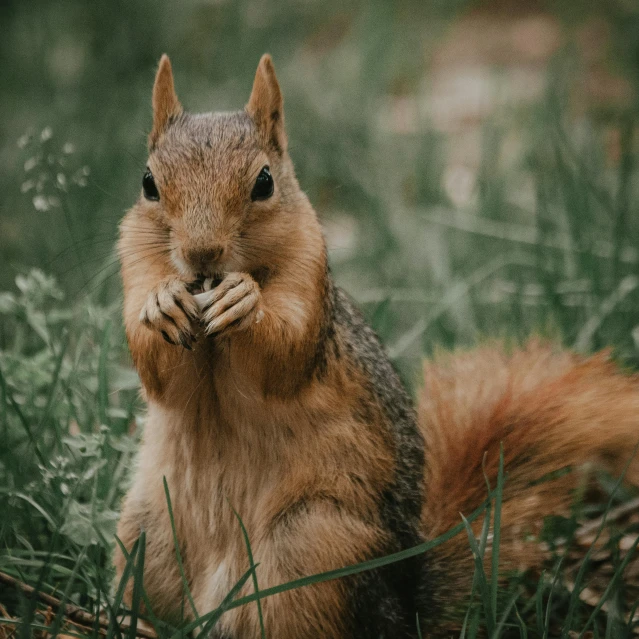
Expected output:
{"points": [[190, 316], [166, 337], [184, 341]]}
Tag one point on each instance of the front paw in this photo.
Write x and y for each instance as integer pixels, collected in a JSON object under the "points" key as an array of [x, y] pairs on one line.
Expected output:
{"points": [[233, 304], [171, 310]]}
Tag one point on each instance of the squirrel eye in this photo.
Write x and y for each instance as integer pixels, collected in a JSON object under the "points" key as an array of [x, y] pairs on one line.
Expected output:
{"points": [[263, 188], [148, 185]]}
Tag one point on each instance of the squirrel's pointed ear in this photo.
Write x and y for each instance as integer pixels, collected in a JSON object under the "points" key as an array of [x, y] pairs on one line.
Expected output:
{"points": [[266, 106], [166, 106]]}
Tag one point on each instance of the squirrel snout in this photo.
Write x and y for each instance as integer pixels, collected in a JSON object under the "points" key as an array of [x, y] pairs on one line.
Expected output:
{"points": [[202, 260]]}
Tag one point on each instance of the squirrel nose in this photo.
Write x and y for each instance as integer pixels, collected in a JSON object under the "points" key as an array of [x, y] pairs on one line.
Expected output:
{"points": [[201, 259]]}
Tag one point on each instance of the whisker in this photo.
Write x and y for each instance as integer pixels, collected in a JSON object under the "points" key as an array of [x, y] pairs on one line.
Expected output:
{"points": [[64, 252], [158, 254]]}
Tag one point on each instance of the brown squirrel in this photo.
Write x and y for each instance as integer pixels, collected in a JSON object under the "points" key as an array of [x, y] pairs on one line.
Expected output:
{"points": [[269, 395]]}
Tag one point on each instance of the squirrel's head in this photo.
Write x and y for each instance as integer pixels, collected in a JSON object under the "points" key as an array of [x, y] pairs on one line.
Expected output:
{"points": [[220, 185]]}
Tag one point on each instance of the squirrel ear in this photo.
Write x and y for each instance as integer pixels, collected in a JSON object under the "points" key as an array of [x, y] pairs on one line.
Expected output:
{"points": [[166, 106], [266, 106]]}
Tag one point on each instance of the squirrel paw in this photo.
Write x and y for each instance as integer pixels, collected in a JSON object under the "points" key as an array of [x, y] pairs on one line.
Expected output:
{"points": [[233, 304], [170, 309]]}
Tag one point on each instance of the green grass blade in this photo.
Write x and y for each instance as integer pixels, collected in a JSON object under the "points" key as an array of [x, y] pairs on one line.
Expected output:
{"points": [[60, 617], [632, 622], [539, 604], [523, 631], [124, 579], [249, 551], [546, 627], [178, 554], [494, 575], [103, 375], [138, 583], [485, 531], [23, 420], [482, 583], [59, 360], [611, 586], [157, 623], [462, 633], [213, 617], [502, 622], [475, 625]]}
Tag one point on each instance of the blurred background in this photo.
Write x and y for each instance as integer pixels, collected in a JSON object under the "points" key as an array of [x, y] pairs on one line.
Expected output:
{"points": [[473, 162]]}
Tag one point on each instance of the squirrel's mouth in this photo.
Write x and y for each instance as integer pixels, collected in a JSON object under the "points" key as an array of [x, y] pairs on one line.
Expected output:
{"points": [[202, 283]]}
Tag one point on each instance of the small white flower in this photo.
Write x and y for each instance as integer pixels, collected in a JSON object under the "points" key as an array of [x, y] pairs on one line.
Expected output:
{"points": [[23, 140], [41, 203], [31, 163]]}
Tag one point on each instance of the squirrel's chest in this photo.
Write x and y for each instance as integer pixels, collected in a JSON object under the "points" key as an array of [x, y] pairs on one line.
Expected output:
{"points": [[209, 468]]}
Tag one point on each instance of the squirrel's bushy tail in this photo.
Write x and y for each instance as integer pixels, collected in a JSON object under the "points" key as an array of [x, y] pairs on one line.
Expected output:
{"points": [[551, 409]]}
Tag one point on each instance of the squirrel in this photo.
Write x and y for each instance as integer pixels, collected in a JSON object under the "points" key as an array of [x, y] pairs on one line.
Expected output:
{"points": [[269, 396]]}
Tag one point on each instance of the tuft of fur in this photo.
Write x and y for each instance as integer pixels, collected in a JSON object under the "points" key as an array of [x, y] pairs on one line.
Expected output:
{"points": [[552, 410]]}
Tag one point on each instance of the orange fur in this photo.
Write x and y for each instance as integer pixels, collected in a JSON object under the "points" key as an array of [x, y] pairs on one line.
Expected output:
{"points": [[551, 409]]}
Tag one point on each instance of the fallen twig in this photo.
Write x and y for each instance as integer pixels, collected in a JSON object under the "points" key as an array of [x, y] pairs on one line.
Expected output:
{"points": [[74, 613]]}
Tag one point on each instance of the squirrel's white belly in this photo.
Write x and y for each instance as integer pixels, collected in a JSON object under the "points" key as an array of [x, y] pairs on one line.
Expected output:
{"points": [[215, 584], [204, 495]]}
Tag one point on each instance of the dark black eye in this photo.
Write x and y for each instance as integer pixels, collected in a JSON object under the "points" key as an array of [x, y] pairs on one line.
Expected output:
{"points": [[148, 185], [263, 188]]}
